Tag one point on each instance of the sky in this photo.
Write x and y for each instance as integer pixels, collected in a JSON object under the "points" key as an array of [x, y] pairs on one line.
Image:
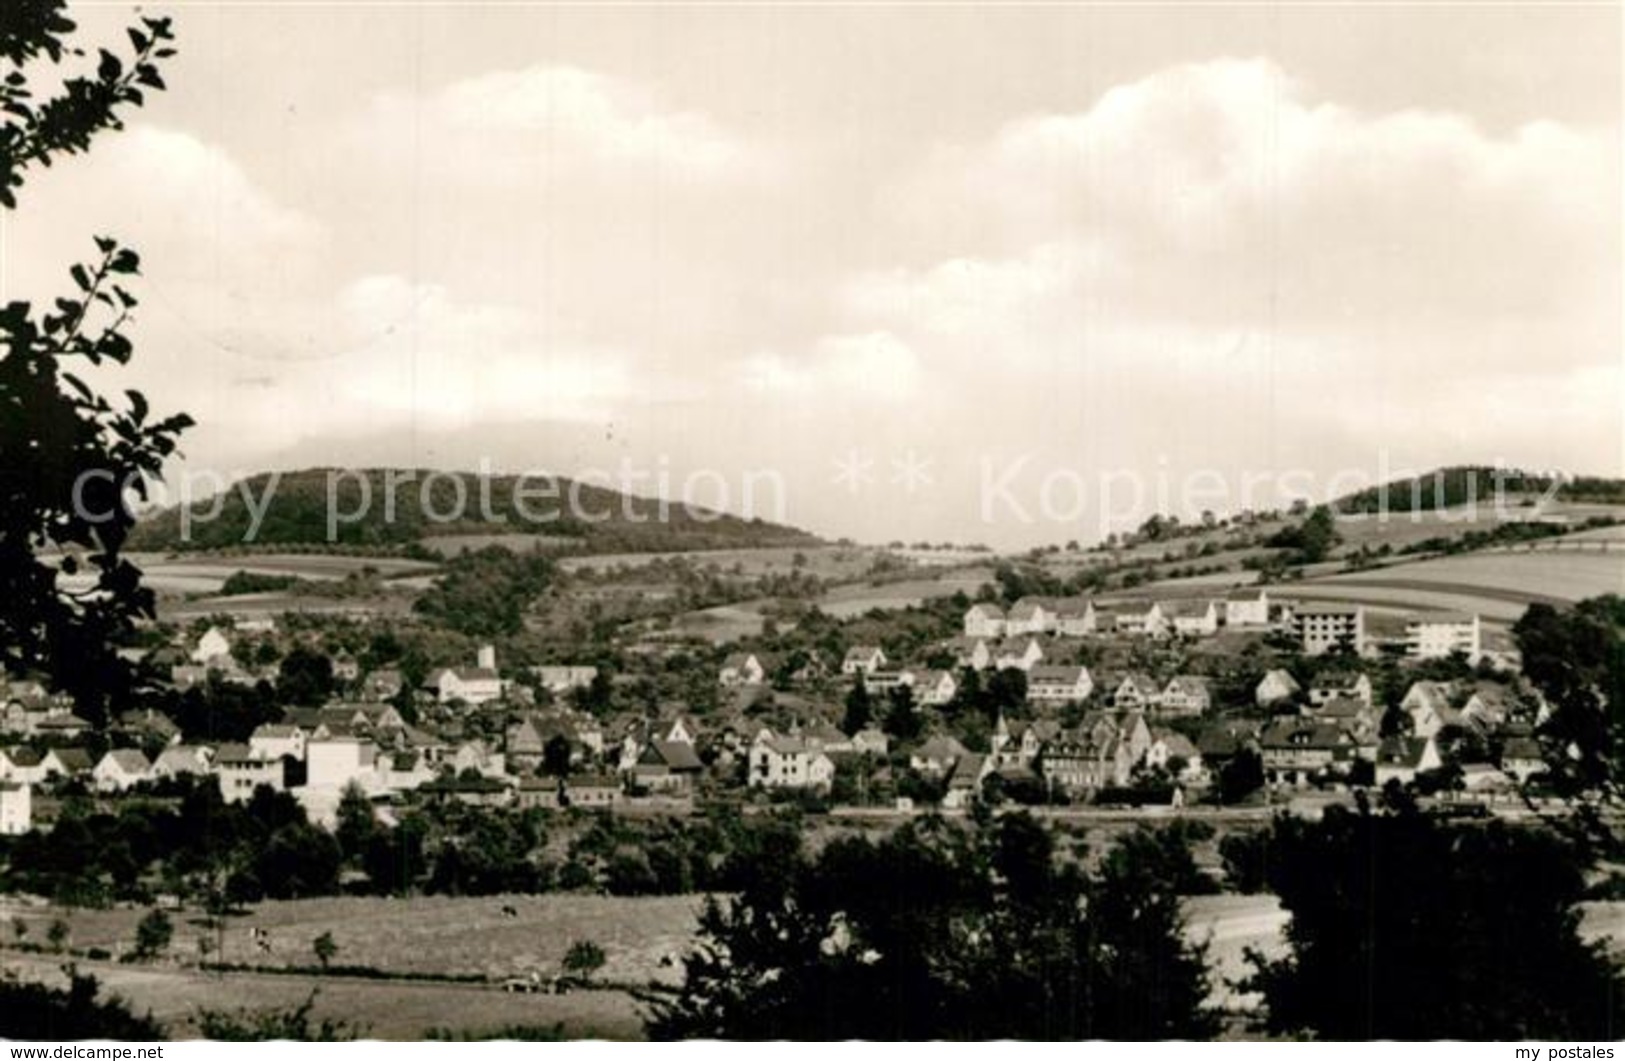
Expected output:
{"points": [[1004, 274]]}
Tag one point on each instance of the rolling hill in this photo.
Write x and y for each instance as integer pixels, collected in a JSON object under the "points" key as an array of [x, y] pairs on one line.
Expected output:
{"points": [[441, 507]]}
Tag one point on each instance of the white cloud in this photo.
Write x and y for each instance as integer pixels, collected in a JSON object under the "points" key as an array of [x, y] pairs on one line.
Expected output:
{"points": [[418, 353], [614, 120], [1224, 189], [875, 366]]}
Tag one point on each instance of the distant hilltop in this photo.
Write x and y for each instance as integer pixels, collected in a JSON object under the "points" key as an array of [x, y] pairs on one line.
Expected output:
{"points": [[414, 510], [1463, 484]]}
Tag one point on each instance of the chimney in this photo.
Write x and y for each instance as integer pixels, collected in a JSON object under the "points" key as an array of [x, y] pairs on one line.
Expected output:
{"points": [[488, 657]]}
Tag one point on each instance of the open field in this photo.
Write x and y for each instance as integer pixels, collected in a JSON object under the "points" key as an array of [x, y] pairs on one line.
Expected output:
{"points": [[463, 936], [379, 1009], [838, 563], [425, 935], [169, 573], [858, 598], [1520, 576]]}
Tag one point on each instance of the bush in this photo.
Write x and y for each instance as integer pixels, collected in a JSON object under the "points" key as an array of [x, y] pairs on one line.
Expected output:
{"points": [[1481, 920]]}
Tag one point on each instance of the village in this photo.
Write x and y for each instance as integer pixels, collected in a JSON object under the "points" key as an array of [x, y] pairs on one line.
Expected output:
{"points": [[1062, 702]]}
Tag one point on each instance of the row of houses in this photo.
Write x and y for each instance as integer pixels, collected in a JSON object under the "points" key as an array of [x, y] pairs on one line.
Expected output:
{"points": [[1089, 616]]}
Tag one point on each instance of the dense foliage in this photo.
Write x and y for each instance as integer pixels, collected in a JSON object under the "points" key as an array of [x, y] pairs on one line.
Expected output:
{"points": [[1404, 927], [33, 1012], [937, 931], [70, 455], [486, 593]]}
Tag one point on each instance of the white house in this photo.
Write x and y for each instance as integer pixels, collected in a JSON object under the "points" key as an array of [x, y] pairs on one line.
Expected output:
{"points": [[16, 808], [1193, 618], [213, 648], [1030, 615], [1441, 635], [1132, 617], [1247, 607], [190, 760], [335, 762], [1135, 691], [563, 679], [863, 659], [933, 688], [471, 685], [1430, 706], [120, 769], [276, 741], [1278, 686], [741, 669], [1185, 695], [22, 766], [1058, 685], [1402, 758], [239, 772], [1021, 653], [972, 652], [1522, 758], [984, 620], [1334, 684], [789, 762], [1075, 617]]}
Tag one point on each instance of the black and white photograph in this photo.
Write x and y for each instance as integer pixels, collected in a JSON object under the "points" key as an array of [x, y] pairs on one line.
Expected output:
{"points": [[811, 521]]}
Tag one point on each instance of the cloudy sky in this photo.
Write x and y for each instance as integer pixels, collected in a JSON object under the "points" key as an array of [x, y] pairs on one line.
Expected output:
{"points": [[947, 272]]}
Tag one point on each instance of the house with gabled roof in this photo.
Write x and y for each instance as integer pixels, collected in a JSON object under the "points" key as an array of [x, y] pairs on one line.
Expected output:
{"points": [[183, 760], [1058, 684], [667, 766], [1249, 607], [1402, 758], [275, 740], [22, 765], [741, 670], [972, 652], [1431, 705], [468, 685], [1356, 717], [1276, 687], [965, 782], [863, 659], [933, 688], [1075, 617], [1192, 618], [213, 648], [120, 769], [1172, 750], [1030, 615], [1297, 750], [1019, 653], [1490, 706], [67, 762], [789, 762], [936, 757], [1185, 696], [1338, 682], [1522, 758], [984, 620], [1140, 617], [1136, 690]]}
